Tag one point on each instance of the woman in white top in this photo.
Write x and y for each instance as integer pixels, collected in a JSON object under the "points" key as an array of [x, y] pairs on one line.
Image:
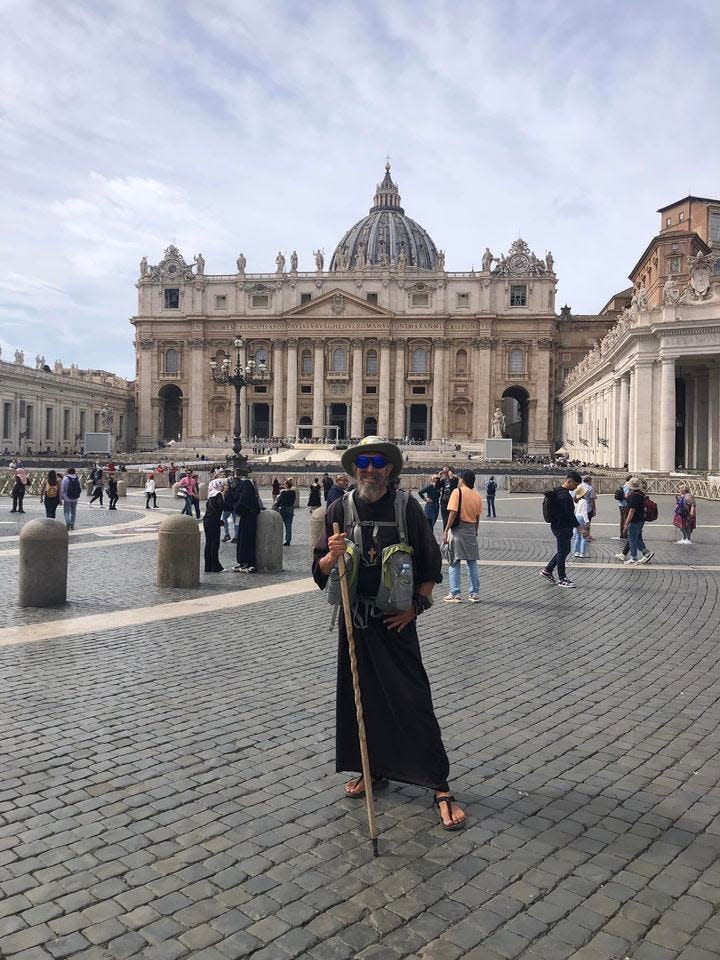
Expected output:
{"points": [[150, 492], [581, 531]]}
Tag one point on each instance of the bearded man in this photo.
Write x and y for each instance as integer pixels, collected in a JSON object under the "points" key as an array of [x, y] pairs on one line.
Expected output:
{"points": [[403, 735]]}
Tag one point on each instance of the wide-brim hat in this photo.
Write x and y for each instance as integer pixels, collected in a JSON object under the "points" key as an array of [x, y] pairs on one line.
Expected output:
{"points": [[390, 451]]}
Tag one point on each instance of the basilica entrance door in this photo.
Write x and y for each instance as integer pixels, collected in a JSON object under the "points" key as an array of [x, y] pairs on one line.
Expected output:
{"points": [[260, 420], [171, 412], [338, 418], [418, 422]]}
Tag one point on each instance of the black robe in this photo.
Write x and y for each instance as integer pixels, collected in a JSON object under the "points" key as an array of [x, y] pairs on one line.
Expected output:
{"points": [[403, 735]]}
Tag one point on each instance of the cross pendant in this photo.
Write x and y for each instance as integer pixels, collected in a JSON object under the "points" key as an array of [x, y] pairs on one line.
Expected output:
{"points": [[372, 553]]}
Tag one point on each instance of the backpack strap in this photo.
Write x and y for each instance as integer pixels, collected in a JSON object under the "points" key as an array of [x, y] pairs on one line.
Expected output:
{"points": [[350, 511], [401, 502]]}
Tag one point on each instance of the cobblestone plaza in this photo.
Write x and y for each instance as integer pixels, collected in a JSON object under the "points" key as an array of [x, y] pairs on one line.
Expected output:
{"points": [[168, 785]]}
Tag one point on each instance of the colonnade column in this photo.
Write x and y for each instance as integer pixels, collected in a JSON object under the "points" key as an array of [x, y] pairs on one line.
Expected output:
{"points": [[666, 460], [384, 398], [714, 419], [701, 422], [399, 422], [690, 420], [614, 437], [199, 373], [623, 453], [357, 389], [291, 403], [481, 426], [278, 378], [438, 394], [642, 446], [318, 389]]}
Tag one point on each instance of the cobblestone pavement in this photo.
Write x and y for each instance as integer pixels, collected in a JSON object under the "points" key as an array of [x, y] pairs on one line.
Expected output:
{"points": [[168, 789]]}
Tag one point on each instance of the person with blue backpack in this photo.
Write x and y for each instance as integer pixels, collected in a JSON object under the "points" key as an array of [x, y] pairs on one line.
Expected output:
{"points": [[70, 493]]}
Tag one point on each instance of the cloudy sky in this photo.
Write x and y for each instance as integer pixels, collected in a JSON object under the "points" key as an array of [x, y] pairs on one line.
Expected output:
{"points": [[226, 125]]}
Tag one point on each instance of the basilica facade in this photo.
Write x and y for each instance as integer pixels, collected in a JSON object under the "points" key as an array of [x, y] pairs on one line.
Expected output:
{"points": [[380, 340]]}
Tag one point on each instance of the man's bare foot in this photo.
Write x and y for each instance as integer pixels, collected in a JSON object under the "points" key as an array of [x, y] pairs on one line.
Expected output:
{"points": [[451, 814], [356, 786]]}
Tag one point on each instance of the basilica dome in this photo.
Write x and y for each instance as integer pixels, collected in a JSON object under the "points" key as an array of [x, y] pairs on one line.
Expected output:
{"points": [[386, 237]]}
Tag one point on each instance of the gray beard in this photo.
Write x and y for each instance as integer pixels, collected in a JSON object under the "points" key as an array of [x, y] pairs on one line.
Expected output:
{"points": [[370, 493]]}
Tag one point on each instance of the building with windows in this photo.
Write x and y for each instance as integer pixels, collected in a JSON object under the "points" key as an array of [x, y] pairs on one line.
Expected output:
{"points": [[46, 408], [649, 394], [384, 341]]}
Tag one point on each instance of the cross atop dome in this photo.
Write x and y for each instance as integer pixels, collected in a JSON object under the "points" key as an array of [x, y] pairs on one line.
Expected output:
{"points": [[387, 196]]}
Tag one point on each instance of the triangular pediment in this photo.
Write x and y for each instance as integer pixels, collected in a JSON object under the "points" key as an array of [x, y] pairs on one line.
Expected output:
{"points": [[337, 303]]}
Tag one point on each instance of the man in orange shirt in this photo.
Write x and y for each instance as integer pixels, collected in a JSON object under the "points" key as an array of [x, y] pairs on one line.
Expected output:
{"points": [[465, 508]]}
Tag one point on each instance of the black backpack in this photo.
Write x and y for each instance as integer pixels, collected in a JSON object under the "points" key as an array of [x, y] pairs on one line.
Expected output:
{"points": [[548, 506], [490, 488], [620, 494], [73, 488]]}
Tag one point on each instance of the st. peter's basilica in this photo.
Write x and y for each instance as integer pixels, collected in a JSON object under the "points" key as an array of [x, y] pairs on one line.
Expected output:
{"points": [[381, 340]]}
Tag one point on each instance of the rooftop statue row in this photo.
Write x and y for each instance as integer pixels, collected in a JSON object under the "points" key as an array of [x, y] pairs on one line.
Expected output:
{"points": [[519, 261]]}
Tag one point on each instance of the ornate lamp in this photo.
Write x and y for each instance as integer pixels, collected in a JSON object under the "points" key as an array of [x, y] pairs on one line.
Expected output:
{"points": [[252, 373]]}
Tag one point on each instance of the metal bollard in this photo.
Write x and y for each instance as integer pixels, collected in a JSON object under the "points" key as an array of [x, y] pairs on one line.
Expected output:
{"points": [[122, 488], [43, 563], [269, 540], [178, 563], [317, 526]]}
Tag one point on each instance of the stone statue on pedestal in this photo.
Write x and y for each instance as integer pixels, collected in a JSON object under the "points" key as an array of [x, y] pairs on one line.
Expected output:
{"points": [[497, 428], [294, 261], [143, 267], [487, 260], [280, 262], [199, 265], [319, 260], [241, 264]]}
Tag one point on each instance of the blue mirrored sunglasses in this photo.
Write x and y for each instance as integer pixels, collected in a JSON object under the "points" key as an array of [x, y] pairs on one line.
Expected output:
{"points": [[363, 461]]}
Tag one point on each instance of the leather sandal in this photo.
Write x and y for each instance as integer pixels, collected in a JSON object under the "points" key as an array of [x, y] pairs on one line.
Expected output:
{"points": [[379, 783], [449, 801]]}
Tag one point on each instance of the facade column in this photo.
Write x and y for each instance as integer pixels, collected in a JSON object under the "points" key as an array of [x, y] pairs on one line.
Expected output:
{"points": [[666, 460], [198, 377], [714, 420], [623, 455], [291, 401], [319, 389], [438, 391], [356, 417], [146, 434], [278, 375], [614, 423], [701, 420], [384, 399], [482, 412], [399, 422], [542, 434]]}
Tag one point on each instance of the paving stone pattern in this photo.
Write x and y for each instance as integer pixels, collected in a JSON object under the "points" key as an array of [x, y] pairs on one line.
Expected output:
{"points": [[169, 790]]}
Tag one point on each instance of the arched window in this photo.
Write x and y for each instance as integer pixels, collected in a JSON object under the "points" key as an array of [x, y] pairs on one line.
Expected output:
{"points": [[461, 363], [261, 355], [306, 363], [171, 361], [517, 362], [338, 361], [371, 364], [419, 360]]}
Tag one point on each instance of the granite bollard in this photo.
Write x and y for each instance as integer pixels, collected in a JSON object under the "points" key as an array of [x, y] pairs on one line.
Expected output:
{"points": [[88, 487], [202, 491], [178, 562], [122, 488], [43, 563], [317, 525], [269, 540]]}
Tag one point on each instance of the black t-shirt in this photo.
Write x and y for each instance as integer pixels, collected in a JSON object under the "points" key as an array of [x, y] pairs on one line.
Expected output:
{"points": [[637, 500]]}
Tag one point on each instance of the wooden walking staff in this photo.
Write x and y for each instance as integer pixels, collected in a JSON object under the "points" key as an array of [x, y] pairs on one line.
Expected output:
{"points": [[365, 760]]}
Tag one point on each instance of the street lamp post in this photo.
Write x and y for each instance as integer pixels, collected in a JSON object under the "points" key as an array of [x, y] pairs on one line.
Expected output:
{"points": [[251, 374]]}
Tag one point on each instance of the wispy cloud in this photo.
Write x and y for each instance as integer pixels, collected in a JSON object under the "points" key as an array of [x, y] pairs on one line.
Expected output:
{"points": [[258, 127]]}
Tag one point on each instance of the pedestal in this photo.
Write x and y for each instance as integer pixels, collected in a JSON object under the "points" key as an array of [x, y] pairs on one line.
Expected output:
{"points": [[498, 448]]}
